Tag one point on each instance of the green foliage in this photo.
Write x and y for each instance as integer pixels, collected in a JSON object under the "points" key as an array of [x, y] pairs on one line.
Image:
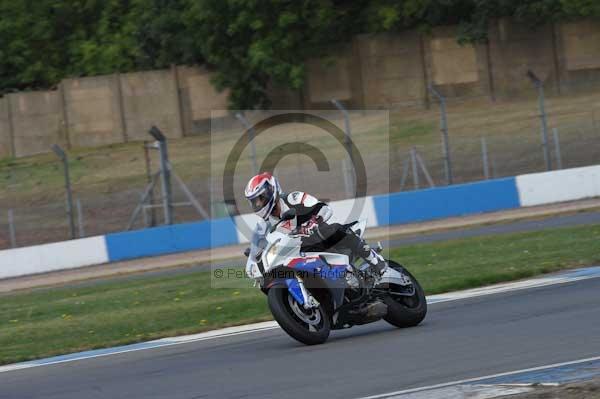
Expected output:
{"points": [[44, 41], [162, 35], [249, 43], [581, 8]]}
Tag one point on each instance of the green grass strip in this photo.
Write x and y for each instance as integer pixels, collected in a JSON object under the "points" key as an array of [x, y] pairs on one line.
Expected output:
{"points": [[63, 320]]}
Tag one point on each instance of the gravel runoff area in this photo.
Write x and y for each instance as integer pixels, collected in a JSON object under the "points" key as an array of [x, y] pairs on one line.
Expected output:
{"points": [[576, 390], [225, 253]]}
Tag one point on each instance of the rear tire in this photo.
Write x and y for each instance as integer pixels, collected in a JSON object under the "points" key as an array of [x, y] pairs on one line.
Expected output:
{"points": [[406, 311], [298, 326]]}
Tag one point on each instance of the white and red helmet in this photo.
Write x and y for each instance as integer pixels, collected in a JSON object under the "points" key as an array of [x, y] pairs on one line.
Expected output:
{"points": [[263, 192]]}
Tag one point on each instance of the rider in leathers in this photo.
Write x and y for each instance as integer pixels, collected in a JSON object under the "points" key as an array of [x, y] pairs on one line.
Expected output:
{"points": [[269, 202]]}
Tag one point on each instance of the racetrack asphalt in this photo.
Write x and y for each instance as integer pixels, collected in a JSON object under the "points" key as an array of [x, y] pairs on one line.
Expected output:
{"points": [[460, 339], [521, 226]]}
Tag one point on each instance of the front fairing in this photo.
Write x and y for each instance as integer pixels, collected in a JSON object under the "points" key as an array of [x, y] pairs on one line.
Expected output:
{"points": [[280, 250], [270, 250], [258, 243], [279, 261]]}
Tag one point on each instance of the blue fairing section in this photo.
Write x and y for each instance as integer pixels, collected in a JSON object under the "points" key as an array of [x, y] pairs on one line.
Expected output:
{"points": [[332, 275], [309, 266], [295, 290], [316, 268]]}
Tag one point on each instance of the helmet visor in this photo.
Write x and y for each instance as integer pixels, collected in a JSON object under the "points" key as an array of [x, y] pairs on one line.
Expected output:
{"points": [[262, 200]]}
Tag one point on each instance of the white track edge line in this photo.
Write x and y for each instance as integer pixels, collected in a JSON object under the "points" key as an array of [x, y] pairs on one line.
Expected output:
{"points": [[161, 343], [535, 283], [485, 377]]}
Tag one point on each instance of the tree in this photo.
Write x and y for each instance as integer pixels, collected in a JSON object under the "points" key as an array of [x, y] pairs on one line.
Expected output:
{"points": [[250, 43], [162, 34], [33, 39], [581, 8], [44, 41]]}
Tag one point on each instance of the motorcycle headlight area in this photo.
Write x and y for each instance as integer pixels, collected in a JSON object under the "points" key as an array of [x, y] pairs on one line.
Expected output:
{"points": [[271, 255]]}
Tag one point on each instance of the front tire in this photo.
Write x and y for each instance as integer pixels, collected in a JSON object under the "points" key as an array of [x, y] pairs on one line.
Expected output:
{"points": [[311, 327], [406, 311]]}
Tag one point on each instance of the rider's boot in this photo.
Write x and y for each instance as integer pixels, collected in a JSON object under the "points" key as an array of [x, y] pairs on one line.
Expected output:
{"points": [[377, 263]]}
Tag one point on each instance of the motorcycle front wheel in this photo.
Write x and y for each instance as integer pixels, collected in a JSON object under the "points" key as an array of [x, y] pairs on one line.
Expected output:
{"points": [[309, 326], [406, 311]]}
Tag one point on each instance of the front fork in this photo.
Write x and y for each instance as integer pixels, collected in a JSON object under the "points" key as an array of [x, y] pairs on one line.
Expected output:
{"points": [[300, 293]]}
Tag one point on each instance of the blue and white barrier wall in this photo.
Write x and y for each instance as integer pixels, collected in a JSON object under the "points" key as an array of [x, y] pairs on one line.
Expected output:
{"points": [[559, 186], [51, 257], [380, 210], [449, 201]]}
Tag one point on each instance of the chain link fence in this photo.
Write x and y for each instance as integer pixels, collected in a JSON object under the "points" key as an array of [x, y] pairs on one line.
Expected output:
{"points": [[487, 140]]}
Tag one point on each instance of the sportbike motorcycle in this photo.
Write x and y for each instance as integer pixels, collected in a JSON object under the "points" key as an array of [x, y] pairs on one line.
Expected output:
{"points": [[312, 293]]}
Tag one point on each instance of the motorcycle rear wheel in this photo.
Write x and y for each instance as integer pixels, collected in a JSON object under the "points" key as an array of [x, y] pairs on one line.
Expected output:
{"points": [[406, 311], [311, 327]]}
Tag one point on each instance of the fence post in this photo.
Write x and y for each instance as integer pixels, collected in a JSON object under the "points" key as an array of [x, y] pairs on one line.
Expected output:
{"points": [[121, 106], [64, 113], [251, 136], [63, 157], [424, 169], [404, 173], [413, 161], [165, 173], [11, 127], [147, 147], [444, 130], [540, 88], [11, 229], [80, 219], [145, 215], [557, 148], [348, 141], [189, 195], [484, 155], [346, 169], [178, 100]]}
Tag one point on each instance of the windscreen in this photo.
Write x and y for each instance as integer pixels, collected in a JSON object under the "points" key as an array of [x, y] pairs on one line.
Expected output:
{"points": [[258, 242]]}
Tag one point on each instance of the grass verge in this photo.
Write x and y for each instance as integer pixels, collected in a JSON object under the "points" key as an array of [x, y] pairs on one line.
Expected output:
{"points": [[50, 322]]}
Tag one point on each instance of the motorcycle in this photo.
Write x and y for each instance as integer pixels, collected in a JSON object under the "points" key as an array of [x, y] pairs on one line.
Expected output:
{"points": [[312, 293]]}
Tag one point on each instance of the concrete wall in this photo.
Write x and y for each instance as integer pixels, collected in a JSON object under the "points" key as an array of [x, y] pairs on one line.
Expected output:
{"points": [[198, 98], [514, 49], [37, 121], [102, 110], [456, 70], [330, 77], [384, 70], [392, 69], [371, 71], [151, 98], [93, 111], [5, 129], [283, 98], [578, 48]]}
